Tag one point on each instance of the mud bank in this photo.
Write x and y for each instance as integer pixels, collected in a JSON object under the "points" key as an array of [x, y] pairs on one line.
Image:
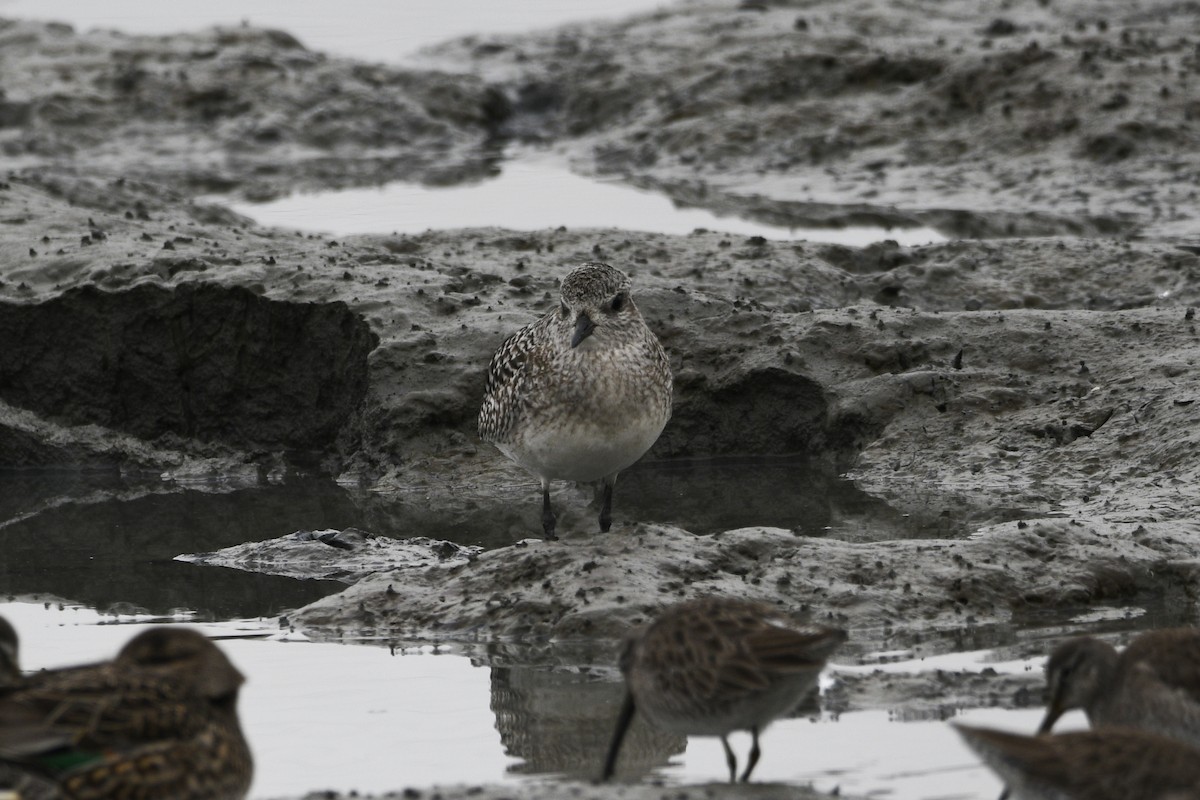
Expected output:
{"points": [[235, 108], [1039, 392], [985, 119], [982, 119], [893, 594], [589, 791], [1044, 398], [347, 555], [761, 334]]}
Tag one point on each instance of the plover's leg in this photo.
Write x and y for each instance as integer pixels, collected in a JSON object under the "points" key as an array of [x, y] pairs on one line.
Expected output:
{"points": [[754, 754], [606, 508], [548, 519], [730, 759]]}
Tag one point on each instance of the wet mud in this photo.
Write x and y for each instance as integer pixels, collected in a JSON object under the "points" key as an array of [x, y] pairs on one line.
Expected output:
{"points": [[1019, 406], [591, 791], [987, 119]]}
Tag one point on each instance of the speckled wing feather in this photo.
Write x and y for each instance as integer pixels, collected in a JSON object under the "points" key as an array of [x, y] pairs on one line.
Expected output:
{"points": [[793, 649], [766, 653], [728, 649], [507, 382], [167, 769], [690, 656], [1173, 654]]}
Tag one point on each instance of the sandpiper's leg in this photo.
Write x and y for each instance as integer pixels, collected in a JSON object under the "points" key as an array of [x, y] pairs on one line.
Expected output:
{"points": [[730, 759], [614, 748], [548, 519], [754, 754], [606, 508]]}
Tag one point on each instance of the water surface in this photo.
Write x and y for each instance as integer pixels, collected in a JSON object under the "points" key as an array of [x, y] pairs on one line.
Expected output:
{"points": [[532, 192], [375, 719], [110, 541], [396, 716]]}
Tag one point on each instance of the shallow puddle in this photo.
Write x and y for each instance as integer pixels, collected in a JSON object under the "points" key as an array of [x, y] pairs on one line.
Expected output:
{"points": [[443, 717], [108, 541], [532, 192], [707, 496], [388, 719]]}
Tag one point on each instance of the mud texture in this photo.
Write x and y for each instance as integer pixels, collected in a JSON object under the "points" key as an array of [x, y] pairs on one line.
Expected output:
{"points": [[530, 790], [983, 119], [895, 593], [235, 108], [778, 348], [1046, 375], [347, 555], [1037, 387]]}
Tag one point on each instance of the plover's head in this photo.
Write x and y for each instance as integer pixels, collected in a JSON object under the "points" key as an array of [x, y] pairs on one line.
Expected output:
{"points": [[596, 298]]}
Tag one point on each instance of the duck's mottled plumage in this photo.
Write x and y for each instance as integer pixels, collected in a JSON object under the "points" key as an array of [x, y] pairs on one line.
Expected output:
{"points": [[159, 721]]}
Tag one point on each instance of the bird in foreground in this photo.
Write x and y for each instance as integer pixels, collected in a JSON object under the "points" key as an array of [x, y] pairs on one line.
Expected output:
{"points": [[159, 721], [583, 392], [712, 666], [1106, 764], [1153, 684], [10, 671]]}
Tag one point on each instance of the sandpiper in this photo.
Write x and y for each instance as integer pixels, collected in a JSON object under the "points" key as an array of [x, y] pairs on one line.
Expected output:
{"points": [[581, 393], [1154, 684], [10, 671], [159, 721], [1107, 764], [712, 666]]}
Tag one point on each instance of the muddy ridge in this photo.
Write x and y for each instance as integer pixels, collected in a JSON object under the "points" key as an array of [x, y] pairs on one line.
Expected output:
{"points": [[1065, 118]]}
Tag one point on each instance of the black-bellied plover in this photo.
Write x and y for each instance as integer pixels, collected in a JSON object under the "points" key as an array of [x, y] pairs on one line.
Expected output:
{"points": [[1104, 764], [713, 666], [581, 393]]}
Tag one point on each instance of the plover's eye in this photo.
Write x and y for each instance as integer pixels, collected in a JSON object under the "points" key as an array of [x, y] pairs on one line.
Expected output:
{"points": [[618, 302]]}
